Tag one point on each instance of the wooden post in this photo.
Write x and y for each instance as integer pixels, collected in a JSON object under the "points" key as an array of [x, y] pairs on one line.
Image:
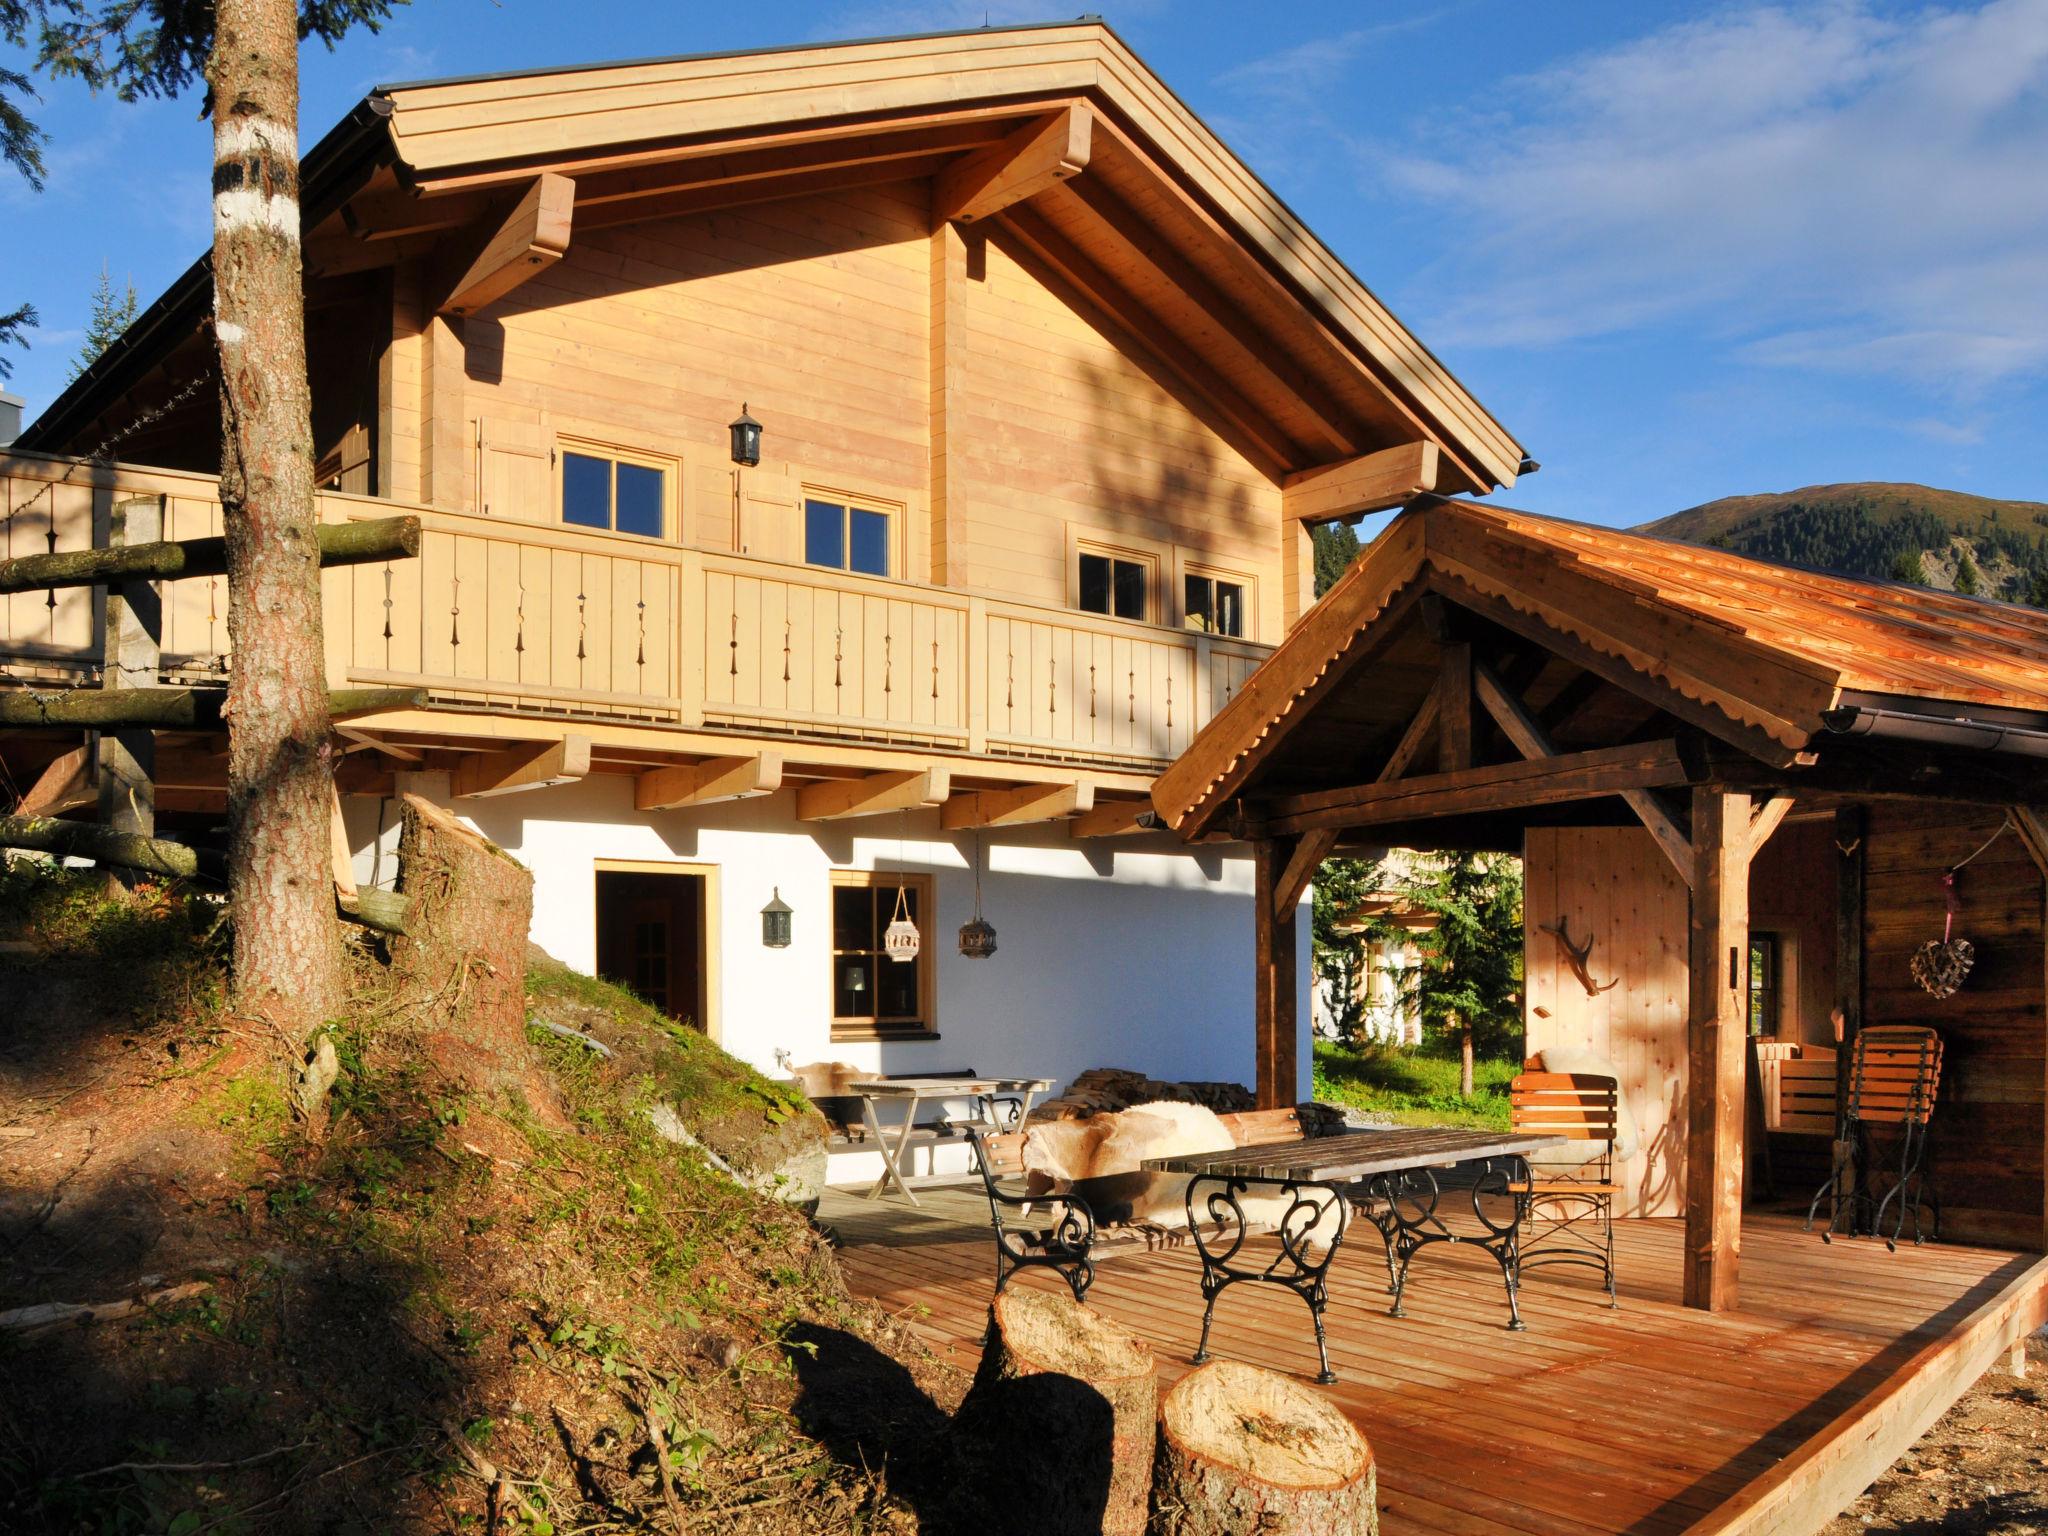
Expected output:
{"points": [[1717, 1039], [1852, 825], [1454, 708], [1274, 951], [133, 644]]}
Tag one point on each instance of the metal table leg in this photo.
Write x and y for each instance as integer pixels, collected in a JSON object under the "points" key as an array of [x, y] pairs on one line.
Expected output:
{"points": [[1405, 1207], [1294, 1266]]}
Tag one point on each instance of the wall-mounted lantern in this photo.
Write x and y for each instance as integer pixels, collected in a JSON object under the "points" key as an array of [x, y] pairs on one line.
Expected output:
{"points": [[775, 922], [746, 439]]}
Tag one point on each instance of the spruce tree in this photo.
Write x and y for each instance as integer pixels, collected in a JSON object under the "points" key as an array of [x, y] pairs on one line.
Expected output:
{"points": [[1466, 982], [1909, 566], [1968, 582], [112, 313]]}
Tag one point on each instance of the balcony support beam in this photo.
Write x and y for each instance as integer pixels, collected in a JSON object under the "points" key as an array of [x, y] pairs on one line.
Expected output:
{"points": [[873, 794], [1115, 818], [533, 237], [1036, 157], [707, 783], [1016, 807], [522, 768]]}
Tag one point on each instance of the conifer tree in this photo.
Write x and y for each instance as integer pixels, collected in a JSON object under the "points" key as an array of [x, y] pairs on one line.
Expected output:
{"points": [[112, 313], [1466, 982], [1968, 582], [1909, 566]]}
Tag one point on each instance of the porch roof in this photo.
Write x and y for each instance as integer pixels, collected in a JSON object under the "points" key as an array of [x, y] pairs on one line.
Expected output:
{"points": [[1758, 654]]}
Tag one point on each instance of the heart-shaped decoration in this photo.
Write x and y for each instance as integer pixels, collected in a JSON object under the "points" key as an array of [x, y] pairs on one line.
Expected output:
{"points": [[1940, 965]]}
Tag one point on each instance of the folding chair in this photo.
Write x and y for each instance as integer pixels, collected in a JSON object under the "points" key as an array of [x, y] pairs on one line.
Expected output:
{"points": [[1570, 1212], [1894, 1073], [1059, 1242]]}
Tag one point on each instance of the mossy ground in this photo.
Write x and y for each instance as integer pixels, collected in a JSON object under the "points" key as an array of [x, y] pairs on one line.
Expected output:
{"points": [[436, 1310]]}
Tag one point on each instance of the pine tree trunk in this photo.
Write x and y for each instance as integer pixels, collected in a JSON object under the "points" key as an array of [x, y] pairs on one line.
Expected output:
{"points": [[287, 945], [1242, 1450], [1465, 1083]]}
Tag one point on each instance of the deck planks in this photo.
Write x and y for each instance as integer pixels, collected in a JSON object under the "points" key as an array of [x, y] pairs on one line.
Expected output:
{"points": [[1651, 1419]]}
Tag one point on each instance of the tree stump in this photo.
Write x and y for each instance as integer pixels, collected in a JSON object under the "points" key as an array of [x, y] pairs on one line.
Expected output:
{"points": [[460, 959], [1242, 1450], [1056, 1435]]}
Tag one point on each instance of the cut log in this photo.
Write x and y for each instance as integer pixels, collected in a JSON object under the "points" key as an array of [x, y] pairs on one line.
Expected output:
{"points": [[382, 910], [383, 538], [1241, 1449], [1056, 1435], [167, 709], [124, 850], [459, 957]]}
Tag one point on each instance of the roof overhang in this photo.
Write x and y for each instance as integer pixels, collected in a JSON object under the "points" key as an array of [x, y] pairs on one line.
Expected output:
{"points": [[1132, 208]]}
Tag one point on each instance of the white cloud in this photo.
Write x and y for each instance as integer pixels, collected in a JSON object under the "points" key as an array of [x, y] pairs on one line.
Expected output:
{"points": [[1825, 187]]}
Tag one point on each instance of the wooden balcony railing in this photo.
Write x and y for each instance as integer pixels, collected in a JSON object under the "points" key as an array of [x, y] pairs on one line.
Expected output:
{"points": [[549, 620]]}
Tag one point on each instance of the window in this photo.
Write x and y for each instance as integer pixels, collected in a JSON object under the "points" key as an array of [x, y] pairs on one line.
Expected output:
{"points": [[602, 489], [1213, 604], [1763, 984], [872, 994], [1113, 585], [846, 537]]}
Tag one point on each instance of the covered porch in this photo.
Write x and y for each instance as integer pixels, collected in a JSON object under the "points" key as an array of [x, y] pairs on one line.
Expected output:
{"points": [[1654, 1418]]}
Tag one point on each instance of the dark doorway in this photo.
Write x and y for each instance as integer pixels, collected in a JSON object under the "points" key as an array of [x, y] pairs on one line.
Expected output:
{"points": [[650, 937]]}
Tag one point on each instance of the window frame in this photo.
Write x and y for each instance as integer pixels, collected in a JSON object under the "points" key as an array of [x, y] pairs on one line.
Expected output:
{"points": [[593, 448], [1770, 1021], [855, 1028], [1200, 568], [851, 502], [1143, 552]]}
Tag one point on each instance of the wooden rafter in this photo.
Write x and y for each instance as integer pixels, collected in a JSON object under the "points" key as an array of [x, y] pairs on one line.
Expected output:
{"points": [[1533, 742], [516, 769], [533, 236], [1769, 816], [1016, 807], [1114, 818], [1132, 325], [1032, 160], [1147, 250], [1369, 483], [707, 783], [872, 794], [1506, 786]]}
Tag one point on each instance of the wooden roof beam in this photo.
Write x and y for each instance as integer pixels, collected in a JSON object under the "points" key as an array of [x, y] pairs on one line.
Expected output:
{"points": [[1302, 865], [1370, 483], [1151, 250], [707, 783], [1016, 807], [533, 236], [481, 774], [873, 794], [1115, 818], [1130, 323], [1030, 161]]}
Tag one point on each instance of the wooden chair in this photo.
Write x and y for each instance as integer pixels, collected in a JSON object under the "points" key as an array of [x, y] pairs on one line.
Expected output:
{"points": [[1569, 1218], [1060, 1241], [1894, 1075]]}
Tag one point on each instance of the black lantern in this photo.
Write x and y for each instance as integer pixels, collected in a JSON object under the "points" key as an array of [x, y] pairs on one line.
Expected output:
{"points": [[977, 934], [746, 439], [775, 922]]}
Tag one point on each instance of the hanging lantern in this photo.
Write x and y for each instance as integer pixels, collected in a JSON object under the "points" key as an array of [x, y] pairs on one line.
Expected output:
{"points": [[775, 922], [900, 940], [977, 934], [746, 440]]}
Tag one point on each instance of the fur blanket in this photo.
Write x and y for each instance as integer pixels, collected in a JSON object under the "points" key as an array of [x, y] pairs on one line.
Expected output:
{"points": [[1100, 1160]]}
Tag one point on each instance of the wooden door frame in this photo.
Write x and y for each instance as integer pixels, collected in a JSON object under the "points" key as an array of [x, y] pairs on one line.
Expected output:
{"points": [[707, 924]]}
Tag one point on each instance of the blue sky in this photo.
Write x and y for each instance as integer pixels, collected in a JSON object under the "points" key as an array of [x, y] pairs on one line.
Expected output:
{"points": [[1682, 252]]}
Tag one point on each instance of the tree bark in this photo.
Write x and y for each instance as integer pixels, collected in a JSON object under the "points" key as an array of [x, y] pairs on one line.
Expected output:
{"points": [[1241, 1449], [1465, 1083], [167, 709], [364, 543], [280, 772], [1056, 1436], [104, 845]]}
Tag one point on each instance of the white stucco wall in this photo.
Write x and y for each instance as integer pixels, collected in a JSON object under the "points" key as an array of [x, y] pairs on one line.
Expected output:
{"points": [[1125, 952]]}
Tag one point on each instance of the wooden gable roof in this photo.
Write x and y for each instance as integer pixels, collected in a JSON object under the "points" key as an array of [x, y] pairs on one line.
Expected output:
{"points": [[1054, 139], [1745, 650]]}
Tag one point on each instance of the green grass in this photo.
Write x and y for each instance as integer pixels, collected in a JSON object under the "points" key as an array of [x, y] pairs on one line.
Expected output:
{"points": [[1413, 1087]]}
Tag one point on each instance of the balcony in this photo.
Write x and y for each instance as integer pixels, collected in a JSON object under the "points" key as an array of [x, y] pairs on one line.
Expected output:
{"points": [[517, 618]]}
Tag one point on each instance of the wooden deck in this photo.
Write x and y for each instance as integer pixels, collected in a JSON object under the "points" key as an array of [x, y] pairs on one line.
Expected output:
{"points": [[1644, 1420]]}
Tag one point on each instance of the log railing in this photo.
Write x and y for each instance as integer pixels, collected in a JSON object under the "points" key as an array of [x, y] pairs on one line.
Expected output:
{"points": [[551, 620]]}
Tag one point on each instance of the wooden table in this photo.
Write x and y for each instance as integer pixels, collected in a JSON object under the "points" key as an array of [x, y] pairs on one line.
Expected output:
{"points": [[1393, 1175], [910, 1092]]}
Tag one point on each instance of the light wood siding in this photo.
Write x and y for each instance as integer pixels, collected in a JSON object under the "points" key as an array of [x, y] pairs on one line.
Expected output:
{"points": [[1616, 886], [1988, 1118], [46, 634], [1053, 425]]}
